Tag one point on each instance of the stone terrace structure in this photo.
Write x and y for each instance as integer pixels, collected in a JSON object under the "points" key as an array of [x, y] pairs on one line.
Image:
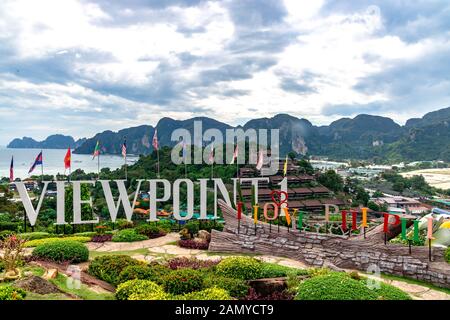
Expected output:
{"points": [[326, 250]]}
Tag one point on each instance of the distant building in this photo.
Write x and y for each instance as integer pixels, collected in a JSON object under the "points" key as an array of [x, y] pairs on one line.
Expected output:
{"points": [[403, 205]]}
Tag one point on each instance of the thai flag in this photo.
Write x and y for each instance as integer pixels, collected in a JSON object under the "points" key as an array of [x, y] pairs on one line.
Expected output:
{"points": [[37, 162], [11, 170]]}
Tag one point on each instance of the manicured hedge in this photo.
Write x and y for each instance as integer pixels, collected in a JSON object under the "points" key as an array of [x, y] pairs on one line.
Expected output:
{"points": [[11, 293], [35, 235], [237, 288], [109, 267], [35, 243], [140, 290], [245, 268], [62, 251], [128, 235], [273, 270], [183, 281], [340, 286], [154, 272], [207, 294], [12, 226]]}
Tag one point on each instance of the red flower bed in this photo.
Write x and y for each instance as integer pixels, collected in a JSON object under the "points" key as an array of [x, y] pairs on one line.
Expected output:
{"points": [[191, 244], [191, 263]]}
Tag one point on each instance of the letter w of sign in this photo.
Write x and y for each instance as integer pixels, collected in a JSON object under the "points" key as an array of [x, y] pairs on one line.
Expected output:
{"points": [[122, 199]]}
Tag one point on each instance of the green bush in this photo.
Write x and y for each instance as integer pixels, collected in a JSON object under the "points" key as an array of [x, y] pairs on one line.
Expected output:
{"points": [[207, 294], [192, 227], [11, 293], [88, 234], [2, 266], [35, 243], [128, 235], [447, 255], [237, 288], [139, 290], [140, 272], [182, 281], [150, 230], [35, 235], [124, 224], [109, 267], [273, 270], [340, 286], [62, 251], [11, 226], [245, 268]]}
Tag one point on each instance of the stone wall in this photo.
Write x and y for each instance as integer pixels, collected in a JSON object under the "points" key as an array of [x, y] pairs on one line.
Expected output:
{"points": [[326, 250]]}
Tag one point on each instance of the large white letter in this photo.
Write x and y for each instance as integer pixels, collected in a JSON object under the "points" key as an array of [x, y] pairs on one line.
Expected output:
{"points": [[77, 202], [223, 190], [60, 203], [190, 199], [123, 198], [153, 193], [31, 213]]}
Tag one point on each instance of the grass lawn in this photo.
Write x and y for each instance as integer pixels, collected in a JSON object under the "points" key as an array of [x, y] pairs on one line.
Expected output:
{"points": [[94, 254]]}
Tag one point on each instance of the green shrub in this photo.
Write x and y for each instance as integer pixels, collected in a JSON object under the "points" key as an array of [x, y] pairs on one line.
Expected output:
{"points": [[150, 230], [340, 286], [139, 290], [140, 272], [35, 243], [314, 272], [273, 270], [11, 293], [207, 294], [2, 266], [124, 224], [128, 235], [88, 234], [237, 288], [192, 227], [62, 251], [182, 281], [245, 268], [109, 267], [11, 226], [35, 235], [447, 255]]}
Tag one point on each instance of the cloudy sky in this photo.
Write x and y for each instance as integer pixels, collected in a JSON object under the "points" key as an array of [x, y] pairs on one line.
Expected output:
{"points": [[82, 66]]}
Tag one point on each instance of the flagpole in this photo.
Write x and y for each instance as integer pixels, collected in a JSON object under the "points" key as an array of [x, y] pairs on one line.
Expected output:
{"points": [[42, 167], [126, 170], [157, 154], [98, 165]]}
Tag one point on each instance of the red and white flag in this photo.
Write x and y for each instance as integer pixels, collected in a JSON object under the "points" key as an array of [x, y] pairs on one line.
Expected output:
{"points": [[235, 154], [260, 162], [124, 148], [155, 140]]}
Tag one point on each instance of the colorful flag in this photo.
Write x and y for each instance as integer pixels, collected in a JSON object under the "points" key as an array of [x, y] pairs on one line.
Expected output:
{"points": [[285, 166], [260, 162], [96, 150], [37, 162], [124, 148], [211, 154], [287, 216], [235, 154], [68, 159], [155, 142], [11, 170]]}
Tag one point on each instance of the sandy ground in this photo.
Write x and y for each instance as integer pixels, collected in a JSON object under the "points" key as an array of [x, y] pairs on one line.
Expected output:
{"points": [[439, 178]]}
